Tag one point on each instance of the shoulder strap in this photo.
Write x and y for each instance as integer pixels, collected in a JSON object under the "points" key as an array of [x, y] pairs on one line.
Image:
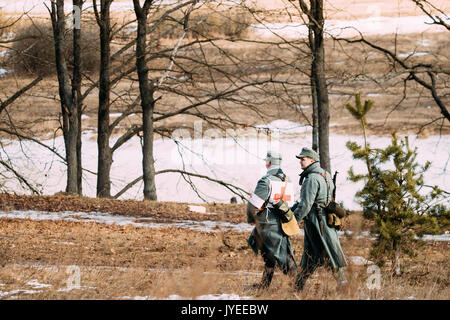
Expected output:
{"points": [[283, 190], [324, 175], [266, 200]]}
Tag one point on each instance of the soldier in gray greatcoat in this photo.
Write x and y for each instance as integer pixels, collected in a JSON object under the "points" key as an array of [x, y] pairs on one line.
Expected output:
{"points": [[268, 236], [321, 242]]}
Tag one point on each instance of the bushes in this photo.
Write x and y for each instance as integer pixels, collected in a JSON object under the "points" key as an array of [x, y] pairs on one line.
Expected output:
{"points": [[203, 23], [35, 54], [229, 23]]}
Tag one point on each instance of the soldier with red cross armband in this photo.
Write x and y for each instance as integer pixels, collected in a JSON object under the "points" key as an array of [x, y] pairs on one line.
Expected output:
{"points": [[268, 237]]}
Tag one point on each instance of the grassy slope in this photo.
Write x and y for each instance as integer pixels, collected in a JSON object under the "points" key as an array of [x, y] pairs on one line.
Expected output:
{"points": [[118, 261]]}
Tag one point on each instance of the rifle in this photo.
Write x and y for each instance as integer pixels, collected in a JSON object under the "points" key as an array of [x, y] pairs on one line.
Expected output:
{"points": [[334, 182]]}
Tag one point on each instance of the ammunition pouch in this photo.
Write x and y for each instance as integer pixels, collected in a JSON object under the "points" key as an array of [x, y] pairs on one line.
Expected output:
{"points": [[334, 208], [333, 221]]}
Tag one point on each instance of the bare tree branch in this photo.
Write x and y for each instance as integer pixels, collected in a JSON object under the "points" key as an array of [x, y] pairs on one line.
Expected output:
{"points": [[234, 189], [20, 177], [16, 95]]}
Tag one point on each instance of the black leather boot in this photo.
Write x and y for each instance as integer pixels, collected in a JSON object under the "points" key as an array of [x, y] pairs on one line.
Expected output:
{"points": [[267, 277]]}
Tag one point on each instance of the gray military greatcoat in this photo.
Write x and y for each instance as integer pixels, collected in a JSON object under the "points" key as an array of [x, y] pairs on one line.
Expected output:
{"points": [[319, 242], [268, 236]]}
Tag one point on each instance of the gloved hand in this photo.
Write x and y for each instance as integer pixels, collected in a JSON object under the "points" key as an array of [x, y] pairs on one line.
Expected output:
{"points": [[284, 211]]}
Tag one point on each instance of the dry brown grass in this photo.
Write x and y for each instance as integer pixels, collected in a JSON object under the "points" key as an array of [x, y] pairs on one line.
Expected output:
{"points": [[123, 261], [36, 53], [391, 111], [117, 262], [5, 23], [37, 113]]}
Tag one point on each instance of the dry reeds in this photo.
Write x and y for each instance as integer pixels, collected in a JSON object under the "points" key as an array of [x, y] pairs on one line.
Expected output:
{"points": [[35, 53], [126, 262]]}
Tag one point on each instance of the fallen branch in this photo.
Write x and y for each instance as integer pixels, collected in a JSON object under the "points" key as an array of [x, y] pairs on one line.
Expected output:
{"points": [[225, 184]]}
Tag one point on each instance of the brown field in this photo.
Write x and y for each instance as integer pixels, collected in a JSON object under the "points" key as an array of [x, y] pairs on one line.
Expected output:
{"points": [[38, 111], [122, 262]]}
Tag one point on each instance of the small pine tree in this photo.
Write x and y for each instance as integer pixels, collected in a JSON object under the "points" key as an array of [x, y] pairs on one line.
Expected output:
{"points": [[392, 197], [359, 112]]}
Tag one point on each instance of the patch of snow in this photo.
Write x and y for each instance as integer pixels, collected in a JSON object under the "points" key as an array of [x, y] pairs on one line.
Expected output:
{"points": [[360, 235], [442, 237], [417, 54], [5, 53], [4, 72], [199, 209], [303, 107], [359, 261], [64, 243], [349, 28], [36, 285], [285, 127], [74, 288], [373, 94], [84, 116], [100, 217], [223, 296], [7, 293]]}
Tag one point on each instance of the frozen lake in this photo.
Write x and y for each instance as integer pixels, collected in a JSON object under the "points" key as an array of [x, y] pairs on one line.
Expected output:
{"points": [[237, 161], [376, 25]]}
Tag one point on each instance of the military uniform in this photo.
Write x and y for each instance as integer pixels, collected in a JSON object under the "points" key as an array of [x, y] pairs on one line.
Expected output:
{"points": [[268, 237], [321, 242]]}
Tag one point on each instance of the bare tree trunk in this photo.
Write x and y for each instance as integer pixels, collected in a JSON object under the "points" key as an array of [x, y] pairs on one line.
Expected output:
{"points": [[104, 150], [320, 82], [146, 89], [319, 89], [76, 92], [315, 114], [68, 109]]}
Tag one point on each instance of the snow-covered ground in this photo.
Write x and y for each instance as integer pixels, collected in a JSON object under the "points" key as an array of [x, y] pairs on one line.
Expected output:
{"points": [[376, 25], [235, 159], [38, 6]]}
